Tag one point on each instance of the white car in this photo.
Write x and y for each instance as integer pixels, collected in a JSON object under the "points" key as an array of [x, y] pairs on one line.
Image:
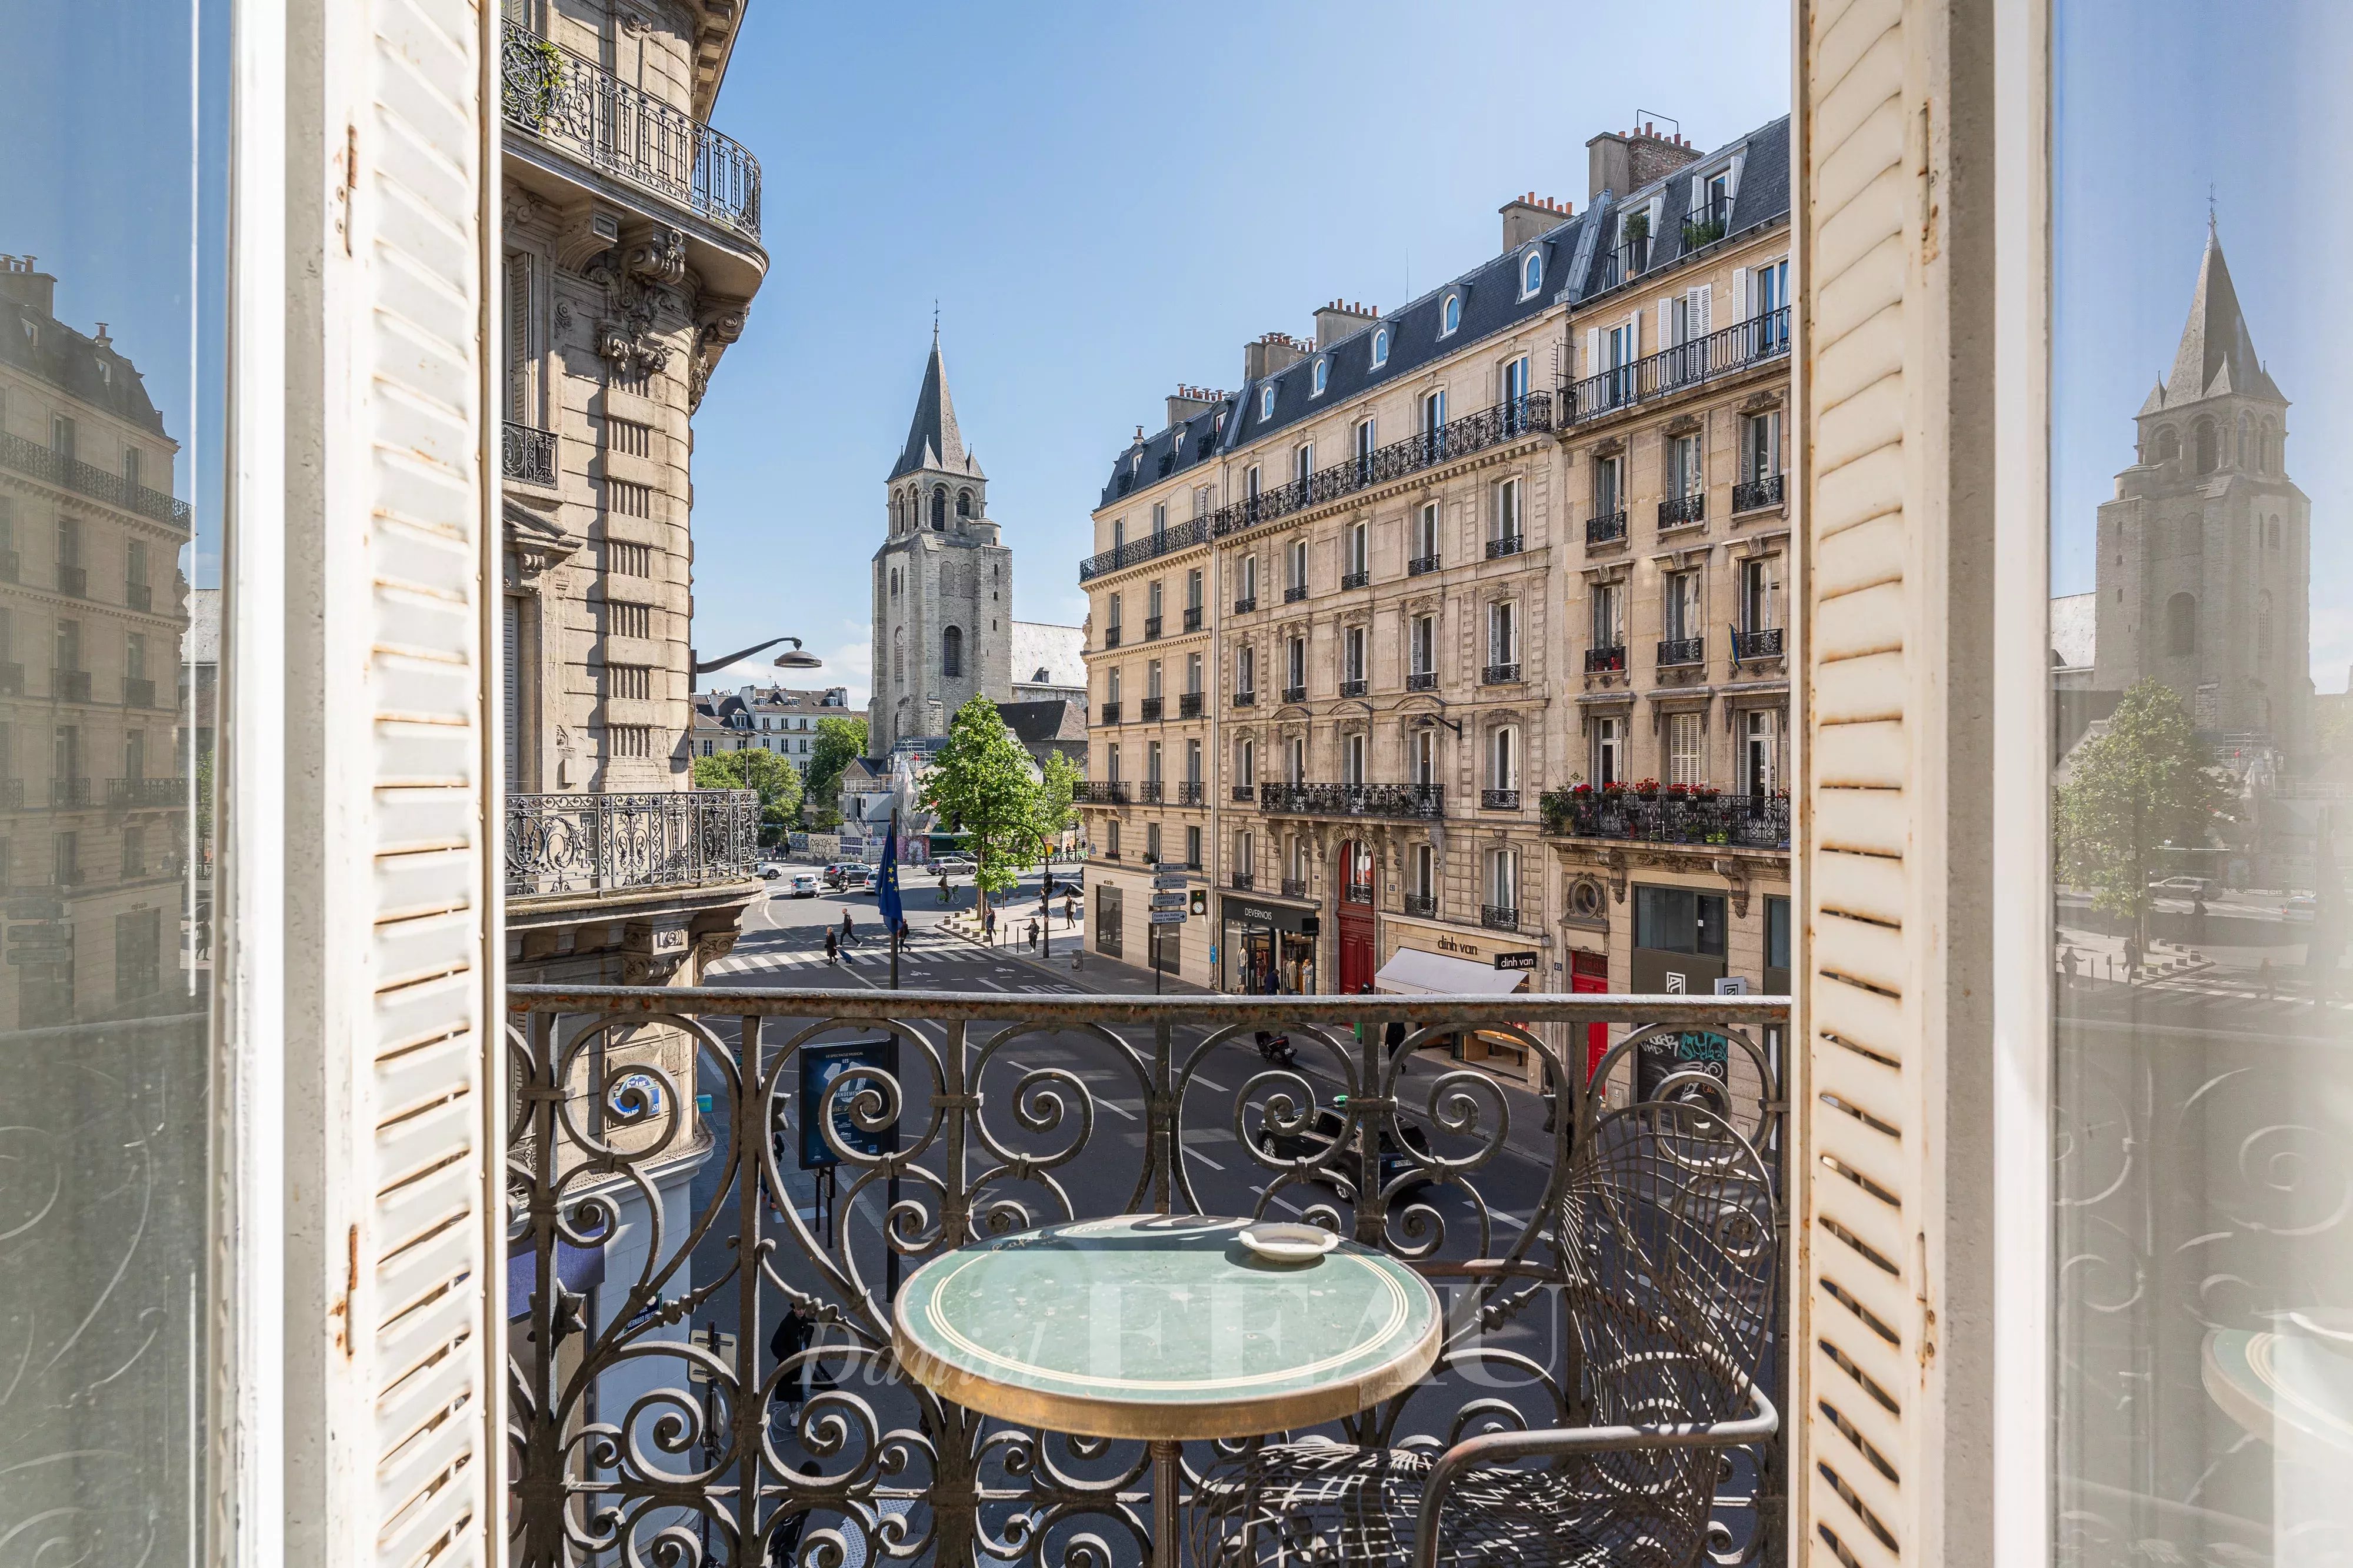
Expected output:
{"points": [[804, 885], [2181, 887], [955, 866], [771, 871]]}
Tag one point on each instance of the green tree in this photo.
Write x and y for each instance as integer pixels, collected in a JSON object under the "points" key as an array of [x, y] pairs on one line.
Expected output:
{"points": [[840, 741], [1058, 787], [775, 781], [981, 785], [2140, 791]]}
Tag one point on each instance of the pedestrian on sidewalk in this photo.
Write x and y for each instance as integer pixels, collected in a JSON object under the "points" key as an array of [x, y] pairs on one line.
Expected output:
{"points": [[844, 927], [1033, 936], [2263, 978], [1069, 910], [989, 924], [832, 947]]}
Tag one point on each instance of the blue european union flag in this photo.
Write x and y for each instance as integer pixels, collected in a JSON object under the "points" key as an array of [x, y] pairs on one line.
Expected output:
{"points": [[886, 895]]}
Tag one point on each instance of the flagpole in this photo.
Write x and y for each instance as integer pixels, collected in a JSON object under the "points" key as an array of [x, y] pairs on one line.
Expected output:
{"points": [[893, 872]]}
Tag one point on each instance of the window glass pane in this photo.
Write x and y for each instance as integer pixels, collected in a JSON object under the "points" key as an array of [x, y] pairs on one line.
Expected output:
{"points": [[2202, 777], [111, 417]]}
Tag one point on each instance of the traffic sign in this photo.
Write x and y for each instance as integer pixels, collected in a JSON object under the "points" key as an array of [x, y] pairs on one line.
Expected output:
{"points": [[1168, 900], [1168, 917], [36, 907], [1164, 881]]}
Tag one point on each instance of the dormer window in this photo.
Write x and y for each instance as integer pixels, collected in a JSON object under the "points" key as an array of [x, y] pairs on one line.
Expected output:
{"points": [[1266, 401], [1450, 315], [1380, 347], [1531, 273], [1323, 376]]}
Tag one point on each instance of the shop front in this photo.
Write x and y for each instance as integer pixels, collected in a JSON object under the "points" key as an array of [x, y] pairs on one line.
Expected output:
{"points": [[1267, 948], [1441, 961]]}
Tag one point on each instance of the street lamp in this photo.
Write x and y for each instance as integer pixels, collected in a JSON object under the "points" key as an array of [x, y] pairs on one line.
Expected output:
{"points": [[793, 659]]}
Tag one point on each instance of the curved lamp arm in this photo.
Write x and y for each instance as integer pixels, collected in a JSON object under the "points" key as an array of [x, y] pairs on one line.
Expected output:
{"points": [[795, 659]]}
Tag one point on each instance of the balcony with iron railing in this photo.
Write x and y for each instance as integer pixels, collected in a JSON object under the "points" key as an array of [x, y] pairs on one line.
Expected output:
{"points": [[1099, 791], [12, 566], [140, 596], [1245, 698], [1295, 593], [623, 132], [1151, 547], [1294, 887], [1147, 792], [1668, 813], [1112, 635], [1421, 566], [12, 679], [73, 579], [1606, 660], [1188, 705], [1509, 545], [576, 845], [1152, 628], [146, 792], [1505, 673], [1355, 892], [1755, 495], [1107, 713], [1294, 694], [1246, 603], [1192, 617], [527, 455], [1606, 528], [1682, 511], [69, 685], [1473, 433], [138, 691], [1499, 800], [1189, 792], [12, 795], [1352, 686], [1677, 651], [52, 467], [1422, 905], [1242, 881], [1355, 579], [1244, 793], [1743, 346], [1762, 644], [1416, 801], [1422, 680], [1149, 710], [1499, 917], [69, 791]]}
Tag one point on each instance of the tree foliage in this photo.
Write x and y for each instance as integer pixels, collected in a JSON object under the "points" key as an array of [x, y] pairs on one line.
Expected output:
{"points": [[840, 741], [2140, 790], [774, 780], [1058, 789], [981, 785]]}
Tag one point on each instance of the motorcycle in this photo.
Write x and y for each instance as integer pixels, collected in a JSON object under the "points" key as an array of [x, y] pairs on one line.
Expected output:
{"points": [[1276, 1049]]}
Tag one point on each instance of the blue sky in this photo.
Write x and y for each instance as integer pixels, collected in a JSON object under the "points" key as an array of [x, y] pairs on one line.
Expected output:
{"points": [[1108, 200]]}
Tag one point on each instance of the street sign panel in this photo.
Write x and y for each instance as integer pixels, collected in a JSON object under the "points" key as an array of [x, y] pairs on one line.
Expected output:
{"points": [[1168, 917], [1164, 881], [1168, 900], [36, 907]]}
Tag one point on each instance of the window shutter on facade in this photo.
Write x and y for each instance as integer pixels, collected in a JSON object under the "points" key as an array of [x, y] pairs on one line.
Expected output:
{"points": [[1742, 306], [1697, 316], [1593, 351], [509, 693], [518, 313], [1667, 320]]}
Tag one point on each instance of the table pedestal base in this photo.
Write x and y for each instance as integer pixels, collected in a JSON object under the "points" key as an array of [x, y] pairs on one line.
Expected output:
{"points": [[1167, 1474]]}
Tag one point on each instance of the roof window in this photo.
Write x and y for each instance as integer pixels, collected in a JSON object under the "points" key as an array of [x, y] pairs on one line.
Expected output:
{"points": [[1380, 347], [1450, 315], [1266, 401], [1531, 273], [1323, 376]]}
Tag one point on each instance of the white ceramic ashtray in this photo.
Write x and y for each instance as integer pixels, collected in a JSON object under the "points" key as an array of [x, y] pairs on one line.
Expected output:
{"points": [[1289, 1243]]}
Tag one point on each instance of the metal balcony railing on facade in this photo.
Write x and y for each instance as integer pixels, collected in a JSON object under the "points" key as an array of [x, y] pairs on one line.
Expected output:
{"points": [[1472, 434], [1243, 881], [1422, 680], [1152, 628], [73, 579], [12, 679], [1188, 792], [1504, 674], [1294, 694], [1147, 792], [84, 479], [1112, 635], [1755, 495], [1605, 660], [1416, 801], [1499, 917], [1151, 547], [1670, 814], [140, 596], [1192, 617], [138, 692], [1681, 367], [1355, 892], [1245, 698], [1244, 793], [1682, 511], [1499, 800], [1353, 686], [1188, 705], [1294, 887], [978, 1143], [1509, 545], [1607, 528], [1108, 713], [1421, 566], [1354, 580], [1673, 651], [69, 791], [1295, 593], [69, 685], [575, 844], [1423, 905], [527, 455], [1765, 643], [1099, 791], [146, 792], [1246, 603], [1149, 710], [620, 130], [12, 566]]}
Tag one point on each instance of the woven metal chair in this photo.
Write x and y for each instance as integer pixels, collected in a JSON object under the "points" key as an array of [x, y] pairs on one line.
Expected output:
{"points": [[1667, 1250]]}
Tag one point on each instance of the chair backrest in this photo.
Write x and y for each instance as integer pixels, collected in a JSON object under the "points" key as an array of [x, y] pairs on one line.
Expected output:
{"points": [[1667, 1242]]}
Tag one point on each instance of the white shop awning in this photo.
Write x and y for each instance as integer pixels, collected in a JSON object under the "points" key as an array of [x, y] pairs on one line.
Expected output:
{"points": [[1413, 973]]}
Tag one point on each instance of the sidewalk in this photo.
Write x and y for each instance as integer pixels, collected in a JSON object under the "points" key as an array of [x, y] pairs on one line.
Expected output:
{"points": [[1105, 976]]}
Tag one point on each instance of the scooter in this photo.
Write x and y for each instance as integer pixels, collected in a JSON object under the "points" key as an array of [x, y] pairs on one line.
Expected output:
{"points": [[1276, 1049]]}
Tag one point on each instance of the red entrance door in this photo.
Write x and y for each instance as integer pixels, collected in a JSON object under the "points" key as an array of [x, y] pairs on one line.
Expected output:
{"points": [[1589, 974], [1357, 963]]}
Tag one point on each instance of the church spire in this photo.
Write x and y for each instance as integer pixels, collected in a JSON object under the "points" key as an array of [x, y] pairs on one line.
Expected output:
{"points": [[2217, 355], [933, 439]]}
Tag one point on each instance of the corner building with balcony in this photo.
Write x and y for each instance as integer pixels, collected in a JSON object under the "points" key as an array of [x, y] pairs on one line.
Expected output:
{"points": [[1446, 654]]}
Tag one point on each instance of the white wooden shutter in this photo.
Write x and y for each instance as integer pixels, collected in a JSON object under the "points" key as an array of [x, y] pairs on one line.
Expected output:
{"points": [[1891, 1450], [394, 1274], [1593, 351], [1667, 320], [1698, 318], [518, 313], [509, 693], [1741, 309]]}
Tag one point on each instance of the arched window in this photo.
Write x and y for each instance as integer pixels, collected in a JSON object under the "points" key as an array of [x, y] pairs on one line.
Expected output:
{"points": [[1266, 401], [2209, 447], [899, 652], [964, 503], [2263, 625], [2275, 540], [2165, 445], [2181, 624], [2271, 459], [1323, 376], [2246, 441], [1380, 347], [952, 652], [1532, 273], [1450, 315], [939, 508]]}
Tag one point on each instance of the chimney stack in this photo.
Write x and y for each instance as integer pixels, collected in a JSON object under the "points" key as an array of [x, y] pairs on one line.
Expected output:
{"points": [[1188, 401], [1337, 320], [1525, 217], [1271, 353], [22, 283], [1620, 162]]}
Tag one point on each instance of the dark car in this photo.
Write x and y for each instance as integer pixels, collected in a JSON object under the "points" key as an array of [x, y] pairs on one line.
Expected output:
{"points": [[1311, 1141]]}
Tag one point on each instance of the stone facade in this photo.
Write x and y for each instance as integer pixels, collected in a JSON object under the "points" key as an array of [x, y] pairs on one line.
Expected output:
{"points": [[1540, 543]]}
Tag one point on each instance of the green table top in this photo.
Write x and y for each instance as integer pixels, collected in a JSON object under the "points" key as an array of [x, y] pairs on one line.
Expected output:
{"points": [[1163, 1326]]}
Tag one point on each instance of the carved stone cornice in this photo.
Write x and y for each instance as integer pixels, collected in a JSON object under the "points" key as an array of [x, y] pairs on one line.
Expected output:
{"points": [[638, 276], [719, 323], [537, 542]]}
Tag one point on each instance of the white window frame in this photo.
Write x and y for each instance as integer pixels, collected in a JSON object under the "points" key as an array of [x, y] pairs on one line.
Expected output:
{"points": [[1380, 347], [1323, 377], [1266, 403], [1530, 270], [1449, 314]]}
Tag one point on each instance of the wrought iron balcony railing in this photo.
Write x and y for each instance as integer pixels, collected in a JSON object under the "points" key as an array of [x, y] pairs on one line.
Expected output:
{"points": [[1355, 892], [1295, 593], [1499, 917], [1421, 801], [138, 692], [1246, 603], [1147, 792], [12, 795], [1499, 674], [527, 455], [1294, 887], [622, 131], [1245, 698], [1112, 635], [140, 596], [1108, 713], [1353, 687], [1192, 617], [1294, 694], [1473, 433], [1421, 566], [1754, 495], [1188, 792], [1422, 680], [12, 566], [1720, 353], [574, 844], [1607, 528], [69, 685], [146, 792], [73, 579], [1670, 815], [1509, 545], [12, 679], [1152, 628], [1499, 800], [1188, 705], [1243, 881], [1762, 644], [1354, 580], [1151, 547], [1605, 660], [1099, 791], [1149, 710], [1682, 511], [1675, 651], [66, 473], [1423, 904], [69, 791]]}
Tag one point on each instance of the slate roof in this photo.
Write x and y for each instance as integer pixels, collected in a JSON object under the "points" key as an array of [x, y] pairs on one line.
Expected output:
{"points": [[2216, 356], [74, 363], [933, 439], [1047, 655], [1574, 266], [1053, 718]]}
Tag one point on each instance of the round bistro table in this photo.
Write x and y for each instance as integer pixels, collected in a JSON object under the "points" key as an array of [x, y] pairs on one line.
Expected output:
{"points": [[1162, 1328]]}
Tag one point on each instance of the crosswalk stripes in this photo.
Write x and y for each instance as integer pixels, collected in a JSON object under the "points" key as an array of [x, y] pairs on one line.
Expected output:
{"points": [[931, 954]]}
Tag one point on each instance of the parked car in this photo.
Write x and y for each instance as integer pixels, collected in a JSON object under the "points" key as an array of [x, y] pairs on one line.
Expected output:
{"points": [[955, 865], [804, 885], [770, 871], [2300, 906], [865, 880], [1311, 1141], [2183, 887], [836, 876]]}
